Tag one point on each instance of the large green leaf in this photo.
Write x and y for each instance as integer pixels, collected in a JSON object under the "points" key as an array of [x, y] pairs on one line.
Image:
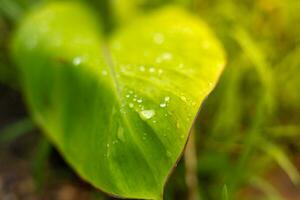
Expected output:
{"points": [[119, 112]]}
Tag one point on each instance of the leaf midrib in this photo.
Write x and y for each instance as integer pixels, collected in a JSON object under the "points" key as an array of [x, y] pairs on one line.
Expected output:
{"points": [[113, 74]]}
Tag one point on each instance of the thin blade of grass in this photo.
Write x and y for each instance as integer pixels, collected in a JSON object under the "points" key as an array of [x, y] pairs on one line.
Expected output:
{"points": [[13, 131]]}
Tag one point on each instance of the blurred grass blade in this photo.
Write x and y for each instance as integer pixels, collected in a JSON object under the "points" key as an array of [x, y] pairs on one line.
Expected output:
{"points": [[39, 162], [282, 159], [266, 188], [8, 75], [15, 130], [258, 59], [225, 193], [291, 131]]}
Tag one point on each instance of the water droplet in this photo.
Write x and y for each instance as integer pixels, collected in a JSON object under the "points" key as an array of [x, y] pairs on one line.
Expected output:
{"points": [[139, 100], [181, 65], [151, 70], [167, 56], [164, 56], [169, 154], [159, 38], [142, 68], [120, 133], [127, 95], [122, 110], [163, 105], [160, 71], [123, 68], [144, 136], [77, 60], [183, 98], [104, 73], [167, 98], [147, 114], [131, 105]]}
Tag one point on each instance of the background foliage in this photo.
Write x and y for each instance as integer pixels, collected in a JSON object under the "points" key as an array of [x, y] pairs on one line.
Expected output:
{"points": [[248, 125]]}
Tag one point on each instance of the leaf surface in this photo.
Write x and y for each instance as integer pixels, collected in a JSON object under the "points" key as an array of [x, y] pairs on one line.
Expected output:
{"points": [[119, 109]]}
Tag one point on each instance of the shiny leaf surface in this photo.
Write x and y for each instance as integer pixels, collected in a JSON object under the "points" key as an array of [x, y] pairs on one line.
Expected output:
{"points": [[119, 109]]}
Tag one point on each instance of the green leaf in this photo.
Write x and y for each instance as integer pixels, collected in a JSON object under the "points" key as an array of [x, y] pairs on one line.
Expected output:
{"points": [[225, 193], [15, 130], [119, 111]]}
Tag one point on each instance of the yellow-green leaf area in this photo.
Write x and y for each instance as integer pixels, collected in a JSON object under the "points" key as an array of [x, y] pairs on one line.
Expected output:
{"points": [[119, 109]]}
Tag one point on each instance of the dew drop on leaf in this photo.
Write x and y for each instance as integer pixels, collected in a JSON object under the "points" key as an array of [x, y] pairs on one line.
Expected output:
{"points": [[183, 98], [160, 71], [159, 38], [152, 70], [77, 60], [142, 68], [167, 56], [120, 134], [104, 73], [169, 154], [147, 114], [144, 136], [163, 105]]}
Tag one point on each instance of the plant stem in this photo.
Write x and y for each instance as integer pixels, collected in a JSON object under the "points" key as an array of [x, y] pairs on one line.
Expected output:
{"points": [[190, 157]]}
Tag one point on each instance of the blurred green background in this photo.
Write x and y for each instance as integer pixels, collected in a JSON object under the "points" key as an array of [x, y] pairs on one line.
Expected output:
{"points": [[248, 131]]}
